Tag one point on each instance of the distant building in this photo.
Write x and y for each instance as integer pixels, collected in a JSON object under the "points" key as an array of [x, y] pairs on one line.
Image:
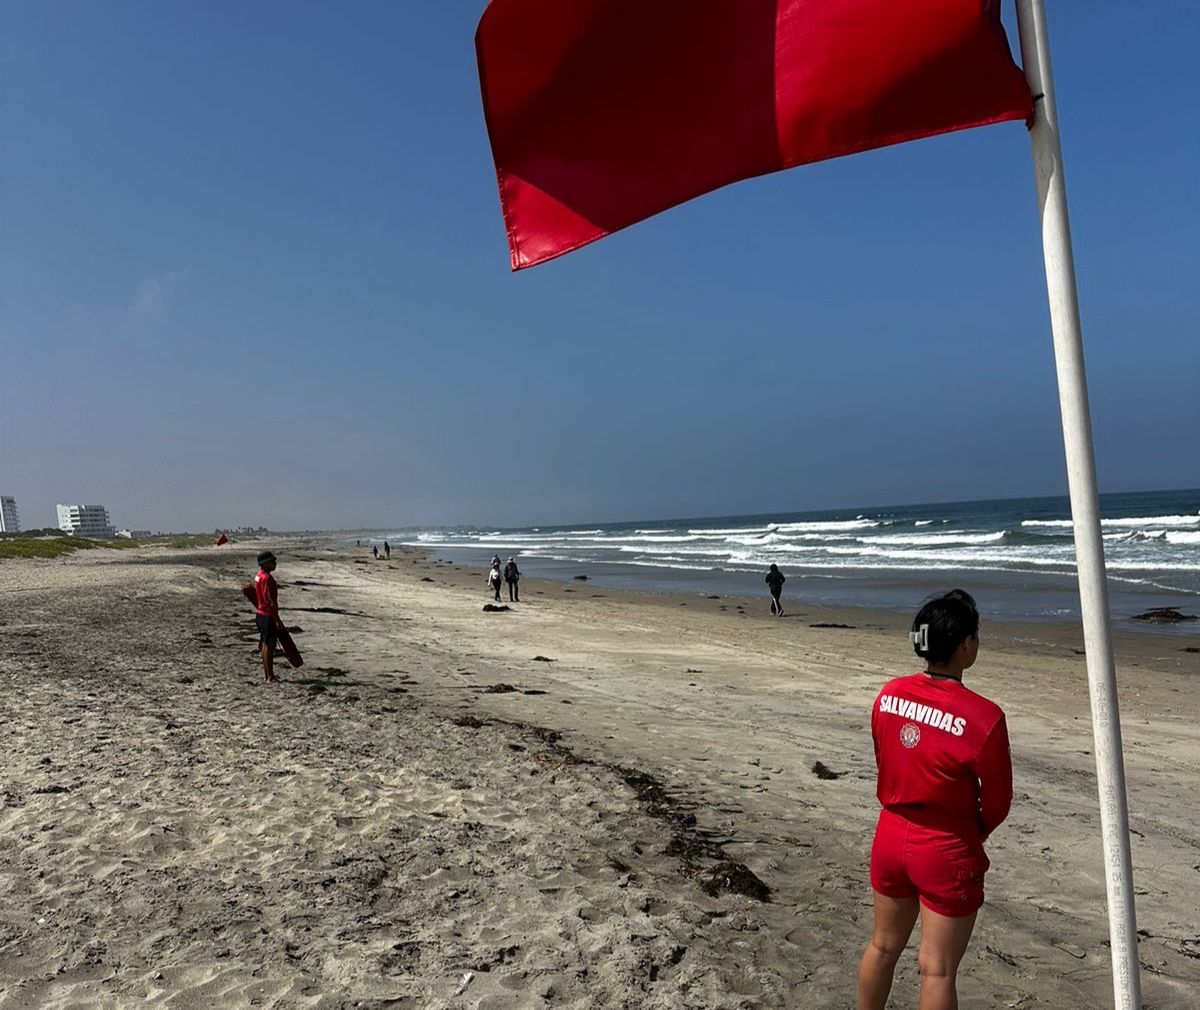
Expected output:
{"points": [[84, 520], [134, 534], [10, 522]]}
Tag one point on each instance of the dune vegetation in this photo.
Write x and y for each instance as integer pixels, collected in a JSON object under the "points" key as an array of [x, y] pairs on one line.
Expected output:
{"points": [[55, 547]]}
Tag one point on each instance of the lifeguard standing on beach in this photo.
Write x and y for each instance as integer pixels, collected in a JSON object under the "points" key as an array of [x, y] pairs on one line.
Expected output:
{"points": [[945, 784], [266, 615]]}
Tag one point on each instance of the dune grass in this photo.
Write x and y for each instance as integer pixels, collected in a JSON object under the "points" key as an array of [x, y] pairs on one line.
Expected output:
{"points": [[204, 540], [56, 547], [42, 547]]}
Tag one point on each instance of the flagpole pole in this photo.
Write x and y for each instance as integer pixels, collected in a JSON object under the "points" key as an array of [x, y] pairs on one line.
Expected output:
{"points": [[1085, 506]]}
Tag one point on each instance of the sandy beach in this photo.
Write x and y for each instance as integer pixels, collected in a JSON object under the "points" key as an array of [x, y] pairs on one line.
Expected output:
{"points": [[594, 799]]}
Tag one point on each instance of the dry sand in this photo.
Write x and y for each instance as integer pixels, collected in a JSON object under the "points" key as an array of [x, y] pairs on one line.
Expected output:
{"points": [[174, 834]]}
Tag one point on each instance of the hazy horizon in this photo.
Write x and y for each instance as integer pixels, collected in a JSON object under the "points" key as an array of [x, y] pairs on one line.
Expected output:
{"points": [[253, 273], [601, 520]]}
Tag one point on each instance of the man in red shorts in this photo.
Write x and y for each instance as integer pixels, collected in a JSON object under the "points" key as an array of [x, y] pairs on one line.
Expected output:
{"points": [[266, 617], [945, 783]]}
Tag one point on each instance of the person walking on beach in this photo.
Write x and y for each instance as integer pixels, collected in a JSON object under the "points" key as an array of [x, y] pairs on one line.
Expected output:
{"points": [[495, 578], [775, 580], [387, 551], [266, 615], [375, 551], [512, 576], [945, 784]]}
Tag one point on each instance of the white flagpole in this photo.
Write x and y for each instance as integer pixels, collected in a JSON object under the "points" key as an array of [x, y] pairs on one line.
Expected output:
{"points": [[1085, 506]]}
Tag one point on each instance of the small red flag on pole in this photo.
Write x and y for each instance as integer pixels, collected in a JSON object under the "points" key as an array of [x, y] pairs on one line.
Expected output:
{"points": [[222, 539], [604, 112]]}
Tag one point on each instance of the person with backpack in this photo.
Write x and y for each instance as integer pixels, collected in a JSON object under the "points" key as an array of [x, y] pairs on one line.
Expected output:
{"points": [[512, 576], [775, 580]]}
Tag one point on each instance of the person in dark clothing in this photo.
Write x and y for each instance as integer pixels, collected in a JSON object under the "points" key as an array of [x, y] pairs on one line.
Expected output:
{"points": [[775, 580], [512, 576], [375, 551], [387, 551]]}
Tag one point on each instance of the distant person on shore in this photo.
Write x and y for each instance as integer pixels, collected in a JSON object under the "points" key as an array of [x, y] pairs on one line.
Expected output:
{"points": [[375, 551], [495, 578], [357, 543], [387, 551], [512, 576], [266, 616], [945, 784], [775, 580]]}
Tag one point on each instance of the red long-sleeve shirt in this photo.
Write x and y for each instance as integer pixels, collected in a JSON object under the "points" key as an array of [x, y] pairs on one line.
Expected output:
{"points": [[266, 593], [941, 747]]}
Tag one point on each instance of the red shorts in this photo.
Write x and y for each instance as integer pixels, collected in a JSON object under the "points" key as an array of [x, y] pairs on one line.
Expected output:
{"points": [[931, 860]]}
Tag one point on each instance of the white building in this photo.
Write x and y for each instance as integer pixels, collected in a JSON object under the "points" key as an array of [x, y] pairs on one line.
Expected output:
{"points": [[10, 522], [84, 520]]}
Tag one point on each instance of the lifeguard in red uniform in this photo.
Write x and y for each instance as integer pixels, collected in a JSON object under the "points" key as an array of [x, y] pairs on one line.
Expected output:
{"points": [[945, 784], [266, 616]]}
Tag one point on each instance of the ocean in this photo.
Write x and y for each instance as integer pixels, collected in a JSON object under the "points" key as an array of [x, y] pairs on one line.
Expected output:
{"points": [[1015, 555]]}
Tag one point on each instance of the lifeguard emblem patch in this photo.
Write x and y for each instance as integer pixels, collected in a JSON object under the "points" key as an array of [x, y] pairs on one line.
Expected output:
{"points": [[910, 735]]}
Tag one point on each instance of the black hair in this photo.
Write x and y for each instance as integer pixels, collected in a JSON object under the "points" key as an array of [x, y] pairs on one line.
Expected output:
{"points": [[952, 618]]}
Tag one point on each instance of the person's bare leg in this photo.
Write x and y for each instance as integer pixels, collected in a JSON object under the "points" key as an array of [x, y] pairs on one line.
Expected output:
{"points": [[268, 661], [943, 942], [894, 919]]}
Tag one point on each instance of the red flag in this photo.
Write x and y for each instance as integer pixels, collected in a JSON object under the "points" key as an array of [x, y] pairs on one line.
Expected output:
{"points": [[604, 112], [222, 539]]}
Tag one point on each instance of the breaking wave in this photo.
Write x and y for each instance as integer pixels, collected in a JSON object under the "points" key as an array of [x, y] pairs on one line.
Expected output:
{"points": [[1160, 540]]}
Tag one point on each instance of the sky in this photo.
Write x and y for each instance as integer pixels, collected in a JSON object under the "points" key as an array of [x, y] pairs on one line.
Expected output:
{"points": [[253, 271]]}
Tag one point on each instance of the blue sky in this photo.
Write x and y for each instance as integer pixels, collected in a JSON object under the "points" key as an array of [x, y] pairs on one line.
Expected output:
{"points": [[252, 270]]}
